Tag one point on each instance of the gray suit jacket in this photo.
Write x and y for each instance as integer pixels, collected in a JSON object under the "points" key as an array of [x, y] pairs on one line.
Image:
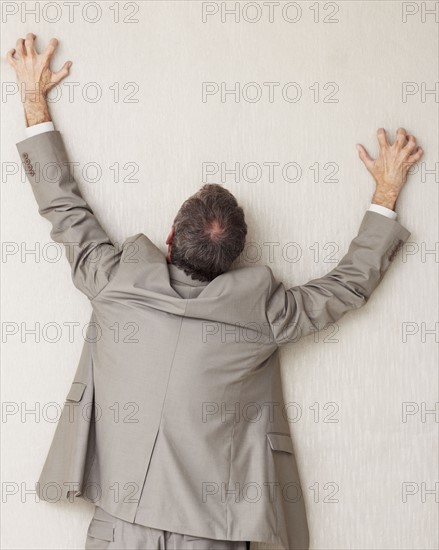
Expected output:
{"points": [[175, 418]]}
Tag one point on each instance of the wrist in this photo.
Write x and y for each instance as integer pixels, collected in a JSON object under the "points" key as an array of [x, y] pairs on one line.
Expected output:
{"points": [[36, 111], [384, 201], [385, 197]]}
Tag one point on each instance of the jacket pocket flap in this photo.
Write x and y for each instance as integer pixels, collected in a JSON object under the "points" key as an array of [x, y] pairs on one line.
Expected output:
{"points": [[99, 529], [280, 442], [76, 391]]}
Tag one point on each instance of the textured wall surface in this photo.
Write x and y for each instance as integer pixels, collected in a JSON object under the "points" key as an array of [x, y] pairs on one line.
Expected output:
{"points": [[148, 113]]}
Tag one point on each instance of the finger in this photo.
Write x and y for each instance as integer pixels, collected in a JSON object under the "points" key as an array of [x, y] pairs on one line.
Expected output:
{"points": [[382, 138], [62, 73], [401, 138], [30, 44], [410, 145], [416, 156], [20, 47], [53, 44], [10, 57], [364, 156]]}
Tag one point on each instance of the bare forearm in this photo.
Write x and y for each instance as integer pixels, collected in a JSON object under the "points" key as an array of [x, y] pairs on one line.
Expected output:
{"points": [[36, 111], [385, 197]]}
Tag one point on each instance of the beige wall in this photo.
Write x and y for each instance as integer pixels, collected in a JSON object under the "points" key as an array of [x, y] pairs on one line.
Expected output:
{"points": [[350, 63]]}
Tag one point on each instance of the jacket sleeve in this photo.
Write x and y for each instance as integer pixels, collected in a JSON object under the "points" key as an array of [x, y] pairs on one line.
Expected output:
{"points": [[92, 256], [304, 309]]}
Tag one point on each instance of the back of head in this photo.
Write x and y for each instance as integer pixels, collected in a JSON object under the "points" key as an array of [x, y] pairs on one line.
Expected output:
{"points": [[209, 233]]}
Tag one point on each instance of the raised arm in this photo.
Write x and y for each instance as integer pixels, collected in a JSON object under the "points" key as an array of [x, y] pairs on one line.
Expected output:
{"points": [[301, 310], [92, 256]]}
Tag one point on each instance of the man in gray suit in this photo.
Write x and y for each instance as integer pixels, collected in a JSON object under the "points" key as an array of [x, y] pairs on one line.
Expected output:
{"points": [[175, 424]]}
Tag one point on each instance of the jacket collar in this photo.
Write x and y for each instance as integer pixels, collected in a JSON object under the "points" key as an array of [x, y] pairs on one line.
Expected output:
{"points": [[177, 274]]}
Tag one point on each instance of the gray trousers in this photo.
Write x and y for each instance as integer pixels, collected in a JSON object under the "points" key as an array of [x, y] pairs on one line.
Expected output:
{"points": [[107, 531]]}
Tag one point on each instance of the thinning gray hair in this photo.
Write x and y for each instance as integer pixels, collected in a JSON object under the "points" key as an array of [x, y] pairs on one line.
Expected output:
{"points": [[209, 233]]}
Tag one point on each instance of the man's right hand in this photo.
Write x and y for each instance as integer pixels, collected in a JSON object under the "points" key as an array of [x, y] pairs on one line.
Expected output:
{"points": [[390, 169]]}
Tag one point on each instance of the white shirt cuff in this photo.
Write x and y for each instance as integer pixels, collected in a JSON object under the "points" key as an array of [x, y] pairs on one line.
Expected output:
{"points": [[383, 210], [39, 128]]}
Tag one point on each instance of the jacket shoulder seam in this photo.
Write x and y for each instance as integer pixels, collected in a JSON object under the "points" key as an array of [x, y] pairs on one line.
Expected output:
{"points": [[105, 286]]}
